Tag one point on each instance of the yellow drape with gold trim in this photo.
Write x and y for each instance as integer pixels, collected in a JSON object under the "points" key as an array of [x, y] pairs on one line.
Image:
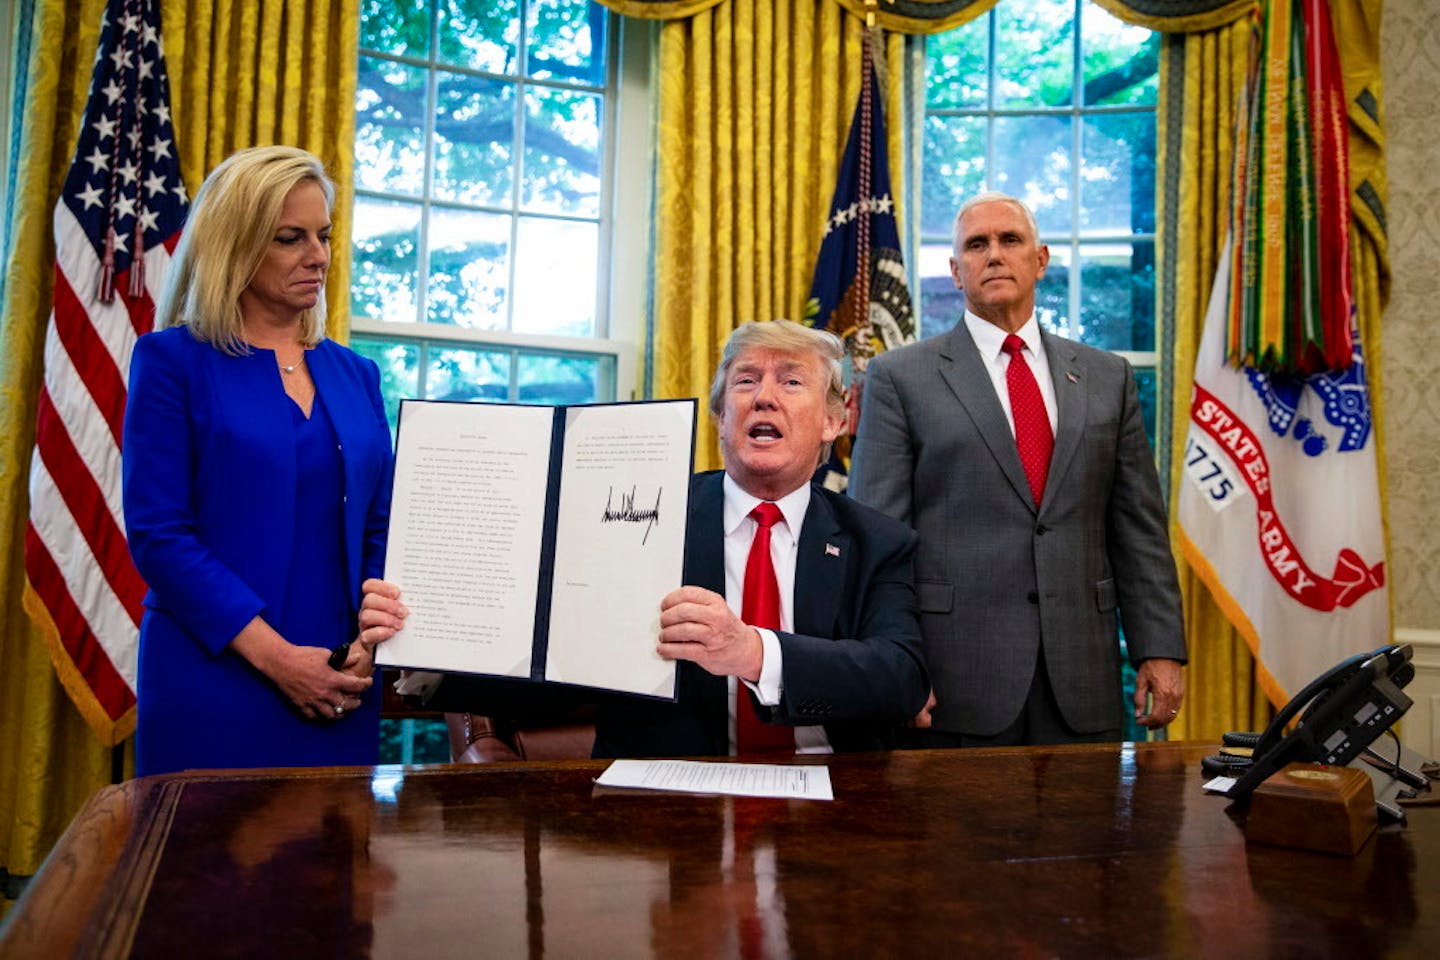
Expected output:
{"points": [[250, 72], [1357, 34], [1202, 76], [755, 105], [242, 72]]}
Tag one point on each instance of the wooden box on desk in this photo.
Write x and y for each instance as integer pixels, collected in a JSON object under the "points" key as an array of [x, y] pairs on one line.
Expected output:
{"points": [[1330, 809]]}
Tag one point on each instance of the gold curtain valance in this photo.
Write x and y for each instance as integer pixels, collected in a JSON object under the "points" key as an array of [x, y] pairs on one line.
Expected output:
{"points": [[898, 16], [936, 16], [1178, 16], [658, 9], [920, 16]]}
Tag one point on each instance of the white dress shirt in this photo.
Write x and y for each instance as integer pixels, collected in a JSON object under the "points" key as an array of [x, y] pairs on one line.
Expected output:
{"points": [[990, 340], [784, 547]]}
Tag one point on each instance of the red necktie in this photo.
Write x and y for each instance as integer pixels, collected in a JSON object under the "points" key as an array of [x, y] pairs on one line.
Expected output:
{"points": [[754, 918], [760, 607], [1033, 435]]}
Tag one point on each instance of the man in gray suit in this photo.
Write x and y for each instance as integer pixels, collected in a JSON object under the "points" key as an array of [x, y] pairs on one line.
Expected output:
{"points": [[1039, 511]]}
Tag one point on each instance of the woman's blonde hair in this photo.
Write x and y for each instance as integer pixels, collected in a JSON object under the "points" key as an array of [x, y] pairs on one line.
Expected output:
{"points": [[231, 223]]}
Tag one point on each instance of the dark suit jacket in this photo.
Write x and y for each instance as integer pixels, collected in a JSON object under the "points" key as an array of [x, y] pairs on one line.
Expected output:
{"points": [[853, 662], [998, 579]]}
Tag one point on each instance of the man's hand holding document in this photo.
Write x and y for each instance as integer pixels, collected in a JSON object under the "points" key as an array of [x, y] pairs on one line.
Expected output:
{"points": [[535, 542]]}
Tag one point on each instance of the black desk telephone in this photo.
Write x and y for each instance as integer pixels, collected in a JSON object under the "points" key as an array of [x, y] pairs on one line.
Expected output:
{"points": [[1344, 710]]}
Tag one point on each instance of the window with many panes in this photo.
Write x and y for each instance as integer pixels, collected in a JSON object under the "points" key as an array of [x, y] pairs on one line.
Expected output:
{"points": [[483, 210], [490, 137], [1051, 101]]}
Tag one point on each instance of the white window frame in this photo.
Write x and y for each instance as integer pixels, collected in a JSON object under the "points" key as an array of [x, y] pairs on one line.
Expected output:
{"points": [[1073, 242], [11, 46], [622, 274]]}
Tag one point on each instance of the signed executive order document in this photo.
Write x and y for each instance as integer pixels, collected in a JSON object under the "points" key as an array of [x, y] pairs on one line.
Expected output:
{"points": [[537, 542]]}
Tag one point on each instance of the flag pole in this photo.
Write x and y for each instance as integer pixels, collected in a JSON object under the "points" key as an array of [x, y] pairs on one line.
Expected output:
{"points": [[119, 213], [859, 290]]}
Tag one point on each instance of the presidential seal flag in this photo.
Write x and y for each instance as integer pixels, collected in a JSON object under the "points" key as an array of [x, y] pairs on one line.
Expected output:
{"points": [[859, 291], [117, 220], [1280, 507]]}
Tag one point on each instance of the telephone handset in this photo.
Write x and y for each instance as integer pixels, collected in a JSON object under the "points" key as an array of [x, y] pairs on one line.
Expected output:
{"points": [[1345, 709]]}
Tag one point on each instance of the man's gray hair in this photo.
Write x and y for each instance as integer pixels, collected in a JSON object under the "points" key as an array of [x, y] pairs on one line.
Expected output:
{"points": [[993, 196]]}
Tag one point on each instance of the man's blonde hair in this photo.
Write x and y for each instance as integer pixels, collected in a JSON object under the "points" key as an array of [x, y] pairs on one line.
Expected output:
{"points": [[230, 226], [784, 336]]}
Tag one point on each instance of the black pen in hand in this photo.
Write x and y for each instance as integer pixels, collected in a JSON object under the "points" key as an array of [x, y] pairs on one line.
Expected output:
{"points": [[339, 655]]}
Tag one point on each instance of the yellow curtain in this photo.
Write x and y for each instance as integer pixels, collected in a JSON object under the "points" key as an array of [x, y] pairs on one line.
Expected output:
{"points": [[1179, 16], [755, 102], [242, 72], [250, 72], [1202, 76], [1357, 33]]}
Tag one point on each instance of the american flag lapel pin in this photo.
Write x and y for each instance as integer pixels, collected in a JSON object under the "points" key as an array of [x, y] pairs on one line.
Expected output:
{"points": [[831, 550]]}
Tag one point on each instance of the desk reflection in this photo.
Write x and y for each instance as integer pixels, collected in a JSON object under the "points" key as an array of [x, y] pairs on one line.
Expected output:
{"points": [[1067, 851], [698, 870], [295, 853], [756, 877]]}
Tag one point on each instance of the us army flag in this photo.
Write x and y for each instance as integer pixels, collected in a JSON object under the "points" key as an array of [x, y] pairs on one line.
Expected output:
{"points": [[1279, 508]]}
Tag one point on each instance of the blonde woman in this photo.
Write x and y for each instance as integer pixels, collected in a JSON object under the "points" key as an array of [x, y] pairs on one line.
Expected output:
{"points": [[256, 487]]}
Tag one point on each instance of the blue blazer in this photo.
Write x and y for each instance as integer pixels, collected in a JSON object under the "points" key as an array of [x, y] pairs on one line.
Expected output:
{"points": [[209, 495]]}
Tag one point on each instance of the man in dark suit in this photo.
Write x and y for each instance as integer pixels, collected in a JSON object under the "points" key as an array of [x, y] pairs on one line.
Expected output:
{"points": [[1036, 500], [840, 664]]}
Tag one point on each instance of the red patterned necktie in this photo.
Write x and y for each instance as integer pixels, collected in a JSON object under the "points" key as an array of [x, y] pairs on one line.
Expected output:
{"points": [[1033, 435], [760, 607], [754, 917]]}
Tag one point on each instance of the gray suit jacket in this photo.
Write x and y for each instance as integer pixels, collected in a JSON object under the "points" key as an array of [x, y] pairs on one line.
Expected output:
{"points": [[996, 577]]}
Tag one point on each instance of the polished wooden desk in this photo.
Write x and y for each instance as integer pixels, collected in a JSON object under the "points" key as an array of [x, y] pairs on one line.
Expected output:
{"points": [[1070, 851]]}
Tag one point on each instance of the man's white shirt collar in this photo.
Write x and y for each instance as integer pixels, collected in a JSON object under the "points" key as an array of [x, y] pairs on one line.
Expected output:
{"points": [[990, 339], [738, 505]]}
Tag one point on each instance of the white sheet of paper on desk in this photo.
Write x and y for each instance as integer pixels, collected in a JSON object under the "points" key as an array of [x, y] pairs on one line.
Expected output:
{"points": [[1219, 785], [732, 779]]}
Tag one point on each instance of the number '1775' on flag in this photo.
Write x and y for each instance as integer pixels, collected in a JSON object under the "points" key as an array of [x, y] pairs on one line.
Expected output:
{"points": [[116, 222]]}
